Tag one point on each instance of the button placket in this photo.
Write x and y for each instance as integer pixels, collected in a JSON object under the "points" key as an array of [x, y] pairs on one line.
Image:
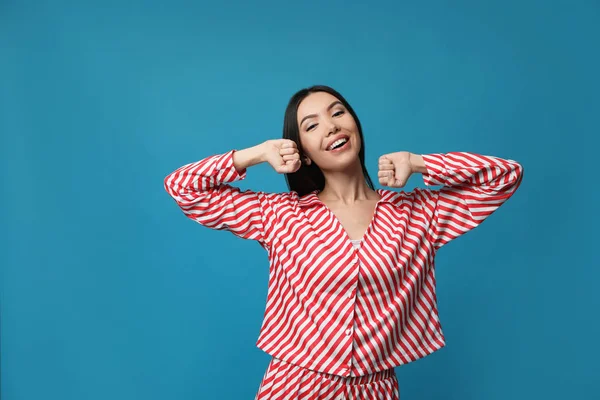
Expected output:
{"points": [[350, 330], [356, 261]]}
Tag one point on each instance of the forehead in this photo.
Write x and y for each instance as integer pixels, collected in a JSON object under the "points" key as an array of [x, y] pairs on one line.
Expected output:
{"points": [[314, 103]]}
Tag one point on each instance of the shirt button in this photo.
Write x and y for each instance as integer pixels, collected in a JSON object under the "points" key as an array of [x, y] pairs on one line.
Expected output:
{"points": [[348, 332], [354, 261], [351, 294]]}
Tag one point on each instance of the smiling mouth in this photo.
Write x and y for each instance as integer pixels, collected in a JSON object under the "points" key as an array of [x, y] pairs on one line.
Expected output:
{"points": [[338, 144]]}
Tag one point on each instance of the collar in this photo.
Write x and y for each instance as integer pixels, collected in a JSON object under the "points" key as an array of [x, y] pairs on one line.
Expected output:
{"points": [[387, 196]]}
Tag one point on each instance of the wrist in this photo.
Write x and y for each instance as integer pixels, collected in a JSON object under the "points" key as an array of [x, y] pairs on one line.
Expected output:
{"points": [[417, 163], [248, 157], [262, 150]]}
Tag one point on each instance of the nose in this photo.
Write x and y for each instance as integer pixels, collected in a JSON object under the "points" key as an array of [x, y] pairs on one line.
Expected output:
{"points": [[333, 128]]}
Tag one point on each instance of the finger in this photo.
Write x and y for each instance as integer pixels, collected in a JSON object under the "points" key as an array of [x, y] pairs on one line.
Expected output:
{"points": [[288, 150], [391, 180], [289, 167], [385, 174], [291, 157], [288, 144], [385, 181], [386, 166], [297, 164]]}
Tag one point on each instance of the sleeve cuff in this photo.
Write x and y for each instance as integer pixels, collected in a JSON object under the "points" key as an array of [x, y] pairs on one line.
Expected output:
{"points": [[436, 169], [226, 170]]}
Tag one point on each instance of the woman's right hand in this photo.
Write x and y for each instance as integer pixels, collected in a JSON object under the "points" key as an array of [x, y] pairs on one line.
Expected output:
{"points": [[282, 155]]}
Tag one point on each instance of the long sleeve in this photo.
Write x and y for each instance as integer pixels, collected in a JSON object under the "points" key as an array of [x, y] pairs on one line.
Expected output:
{"points": [[202, 192], [474, 187]]}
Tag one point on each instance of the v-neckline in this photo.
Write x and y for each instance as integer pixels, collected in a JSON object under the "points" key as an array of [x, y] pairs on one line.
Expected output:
{"points": [[339, 223]]}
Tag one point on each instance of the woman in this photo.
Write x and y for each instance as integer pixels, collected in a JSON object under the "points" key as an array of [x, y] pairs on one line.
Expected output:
{"points": [[351, 286]]}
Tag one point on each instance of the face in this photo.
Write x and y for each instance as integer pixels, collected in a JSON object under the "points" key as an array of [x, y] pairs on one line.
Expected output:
{"points": [[323, 121]]}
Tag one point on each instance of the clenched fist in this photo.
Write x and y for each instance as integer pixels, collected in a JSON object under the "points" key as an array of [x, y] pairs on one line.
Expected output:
{"points": [[282, 155], [395, 169]]}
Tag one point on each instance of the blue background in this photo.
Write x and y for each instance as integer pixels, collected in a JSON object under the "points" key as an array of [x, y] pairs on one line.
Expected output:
{"points": [[109, 292]]}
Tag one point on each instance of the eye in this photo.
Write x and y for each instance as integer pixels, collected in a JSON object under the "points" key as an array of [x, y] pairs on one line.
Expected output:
{"points": [[338, 113], [310, 127]]}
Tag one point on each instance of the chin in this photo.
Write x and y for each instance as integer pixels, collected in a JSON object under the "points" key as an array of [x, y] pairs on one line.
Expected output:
{"points": [[341, 163]]}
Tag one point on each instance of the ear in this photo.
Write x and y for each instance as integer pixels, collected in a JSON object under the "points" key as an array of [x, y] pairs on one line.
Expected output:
{"points": [[307, 160]]}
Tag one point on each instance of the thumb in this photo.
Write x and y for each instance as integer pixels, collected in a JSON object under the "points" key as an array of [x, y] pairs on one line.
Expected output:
{"points": [[289, 166], [401, 177], [391, 179]]}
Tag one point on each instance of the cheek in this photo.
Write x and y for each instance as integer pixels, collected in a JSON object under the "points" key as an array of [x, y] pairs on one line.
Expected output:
{"points": [[350, 124], [309, 143]]}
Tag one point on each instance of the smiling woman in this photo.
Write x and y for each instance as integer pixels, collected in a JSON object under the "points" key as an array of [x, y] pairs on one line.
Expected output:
{"points": [[311, 112], [352, 286]]}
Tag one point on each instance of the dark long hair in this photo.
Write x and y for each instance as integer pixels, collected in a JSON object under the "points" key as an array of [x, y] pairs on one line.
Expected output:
{"points": [[310, 177]]}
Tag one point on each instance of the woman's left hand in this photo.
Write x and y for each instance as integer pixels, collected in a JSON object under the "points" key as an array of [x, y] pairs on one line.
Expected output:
{"points": [[395, 169]]}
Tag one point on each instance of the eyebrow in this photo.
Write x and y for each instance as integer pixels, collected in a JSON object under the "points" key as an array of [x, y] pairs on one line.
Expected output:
{"points": [[328, 108]]}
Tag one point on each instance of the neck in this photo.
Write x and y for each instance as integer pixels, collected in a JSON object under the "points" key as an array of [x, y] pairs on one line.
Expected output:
{"points": [[347, 186]]}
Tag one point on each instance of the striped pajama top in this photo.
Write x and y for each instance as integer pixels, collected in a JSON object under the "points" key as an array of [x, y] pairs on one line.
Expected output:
{"points": [[332, 306]]}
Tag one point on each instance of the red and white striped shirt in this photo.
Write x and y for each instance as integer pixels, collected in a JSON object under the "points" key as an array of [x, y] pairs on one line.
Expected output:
{"points": [[333, 307]]}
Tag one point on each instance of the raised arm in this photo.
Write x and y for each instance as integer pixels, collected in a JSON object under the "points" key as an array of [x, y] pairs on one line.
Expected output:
{"points": [[474, 186], [201, 189]]}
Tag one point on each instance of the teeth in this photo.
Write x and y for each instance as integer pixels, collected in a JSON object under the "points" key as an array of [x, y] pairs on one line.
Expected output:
{"points": [[339, 141]]}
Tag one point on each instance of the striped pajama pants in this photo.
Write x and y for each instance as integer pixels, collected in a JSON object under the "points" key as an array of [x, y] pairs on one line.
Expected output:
{"points": [[285, 381]]}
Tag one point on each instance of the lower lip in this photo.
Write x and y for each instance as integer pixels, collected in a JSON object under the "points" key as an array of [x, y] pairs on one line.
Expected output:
{"points": [[344, 146]]}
